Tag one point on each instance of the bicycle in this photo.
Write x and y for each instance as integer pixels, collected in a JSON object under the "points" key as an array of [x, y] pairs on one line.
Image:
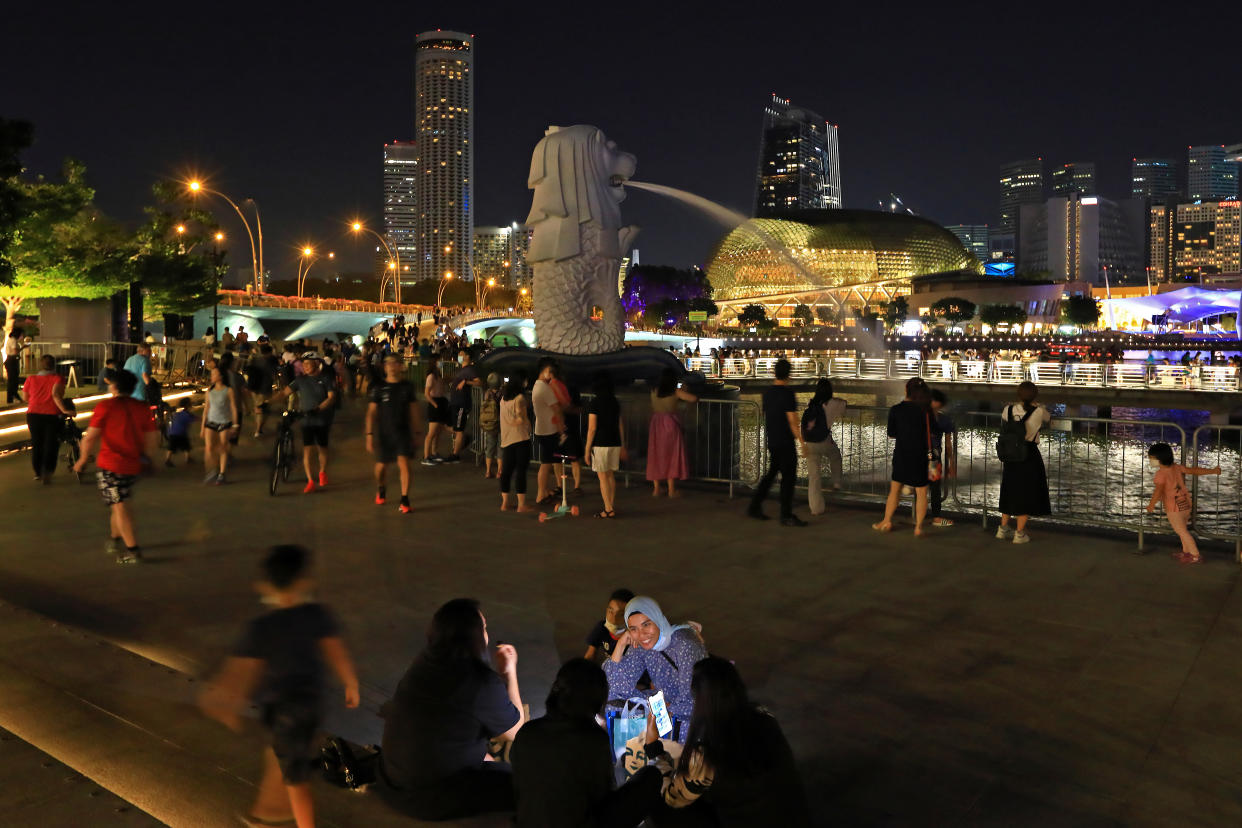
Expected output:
{"points": [[71, 439], [283, 456]]}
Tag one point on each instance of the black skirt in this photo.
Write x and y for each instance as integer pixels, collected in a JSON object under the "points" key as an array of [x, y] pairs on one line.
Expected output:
{"points": [[1024, 486]]}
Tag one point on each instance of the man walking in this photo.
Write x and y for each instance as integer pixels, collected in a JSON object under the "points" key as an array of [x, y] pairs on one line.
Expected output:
{"points": [[140, 366], [780, 416], [125, 432], [549, 427], [393, 428], [316, 393], [464, 380]]}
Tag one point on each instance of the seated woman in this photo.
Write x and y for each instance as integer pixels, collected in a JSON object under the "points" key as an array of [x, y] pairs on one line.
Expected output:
{"points": [[562, 764], [664, 652], [449, 704], [737, 769]]}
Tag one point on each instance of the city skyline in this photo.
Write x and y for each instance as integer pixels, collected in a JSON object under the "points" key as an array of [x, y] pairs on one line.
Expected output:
{"points": [[234, 122]]}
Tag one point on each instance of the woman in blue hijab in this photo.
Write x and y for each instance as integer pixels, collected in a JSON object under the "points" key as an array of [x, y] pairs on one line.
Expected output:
{"points": [[666, 652]]}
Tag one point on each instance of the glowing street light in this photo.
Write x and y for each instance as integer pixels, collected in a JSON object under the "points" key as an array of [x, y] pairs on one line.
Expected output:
{"points": [[219, 236], [308, 258], [181, 229], [448, 275], [394, 261], [195, 187]]}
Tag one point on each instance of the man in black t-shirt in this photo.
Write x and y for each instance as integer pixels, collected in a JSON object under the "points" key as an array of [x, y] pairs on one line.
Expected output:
{"points": [[784, 432], [393, 428], [464, 381]]}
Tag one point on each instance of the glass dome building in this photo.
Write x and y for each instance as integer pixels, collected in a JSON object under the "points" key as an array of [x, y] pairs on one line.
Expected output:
{"points": [[849, 254]]}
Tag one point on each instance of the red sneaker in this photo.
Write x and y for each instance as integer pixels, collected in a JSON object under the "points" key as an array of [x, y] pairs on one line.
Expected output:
{"points": [[323, 479], [380, 500], [310, 487], [405, 508]]}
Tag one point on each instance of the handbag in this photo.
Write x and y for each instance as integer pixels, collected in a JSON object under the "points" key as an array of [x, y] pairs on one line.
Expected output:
{"points": [[934, 469], [626, 722]]}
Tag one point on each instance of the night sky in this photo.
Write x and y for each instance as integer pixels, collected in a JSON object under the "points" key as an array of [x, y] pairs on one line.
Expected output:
{"points": [[292, 107]]}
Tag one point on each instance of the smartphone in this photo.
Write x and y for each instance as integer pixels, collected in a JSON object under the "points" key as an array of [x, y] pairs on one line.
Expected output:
{"points": [[679, 385], [664, 723]]}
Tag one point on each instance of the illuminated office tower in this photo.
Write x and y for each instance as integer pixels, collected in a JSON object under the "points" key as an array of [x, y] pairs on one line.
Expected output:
{"points": [[799, 161], [1189, 242], [1021, 182], [444, 128], [974, 237], [400, 209], [1074, 177], [1210, 174], [1153, 178]]}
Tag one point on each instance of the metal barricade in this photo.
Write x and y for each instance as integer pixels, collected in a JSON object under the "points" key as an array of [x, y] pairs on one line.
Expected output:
{"points": [[704, 365], [735, 367], [1085, 374], [973, 370], [843, 367], [1047, 373], [873, 368], [1217, 498], [907, 367], [939, 370], [1127, 376], [1008, 372], [1170, 376], [800, 367], [1218, 378]]}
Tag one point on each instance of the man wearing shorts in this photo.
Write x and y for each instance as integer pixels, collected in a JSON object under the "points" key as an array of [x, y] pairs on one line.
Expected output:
{"points": [[316, 393], [549, 427], [125, 432], [464, 380], [393, 428]]}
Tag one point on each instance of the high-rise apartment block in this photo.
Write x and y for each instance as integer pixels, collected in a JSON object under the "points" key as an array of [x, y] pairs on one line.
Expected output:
{"points": [[496, 253], [799, 161], [1074, 177], [1210, 174], [1021, 182], [444, 126], [1190, 241], [974, 237], [1153, 178], [400, 208]]}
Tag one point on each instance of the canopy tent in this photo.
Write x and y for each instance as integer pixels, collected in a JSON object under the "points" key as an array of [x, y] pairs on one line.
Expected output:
{"points": [[1184, 306]]}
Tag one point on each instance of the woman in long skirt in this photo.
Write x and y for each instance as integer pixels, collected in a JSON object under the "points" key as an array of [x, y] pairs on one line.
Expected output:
{"points": [[1024, 484], [666, 442]]}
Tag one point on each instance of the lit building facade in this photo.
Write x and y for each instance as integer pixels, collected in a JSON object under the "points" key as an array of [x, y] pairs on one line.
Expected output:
{"points": [[1153, 178], [495, 251], [444, 124], [799, 161], [400, 209], [1191, 241], [1210, 174], [1021, 182], [1084, 239], [974, 237], [1074, 177]]}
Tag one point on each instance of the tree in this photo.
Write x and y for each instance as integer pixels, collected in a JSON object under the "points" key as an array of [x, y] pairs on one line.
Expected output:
{"points": [[172, 255], [953, 309], [1083, 311], [993, 315], [802, 316], [895, 312], [753, 315], [15, 136], [648, 285], [826, 315]]}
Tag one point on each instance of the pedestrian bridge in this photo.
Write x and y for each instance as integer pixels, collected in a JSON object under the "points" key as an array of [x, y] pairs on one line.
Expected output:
{"points": [[294, 317]]}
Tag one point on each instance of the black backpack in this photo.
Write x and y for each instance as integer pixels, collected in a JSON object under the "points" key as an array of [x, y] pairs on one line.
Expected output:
{"points": [[1012, 445], [814, 424]]}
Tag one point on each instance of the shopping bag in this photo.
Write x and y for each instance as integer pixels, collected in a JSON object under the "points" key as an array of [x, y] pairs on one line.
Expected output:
{"points": [[636, 754], [626, 722]]}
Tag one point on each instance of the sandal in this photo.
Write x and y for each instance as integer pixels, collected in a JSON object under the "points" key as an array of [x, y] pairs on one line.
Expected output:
{"points": [[882, 526], [941, 522], [1187, 558], [606, 513]]}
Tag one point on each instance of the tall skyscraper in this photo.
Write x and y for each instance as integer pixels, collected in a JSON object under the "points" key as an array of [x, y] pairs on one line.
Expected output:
{"points": [[495, 252], [1074, 177], [1190, 241], [799, 161], [974, 237], [444, 126], [400, 208], [1210, 173], [1021, 182], [1084, 239], [1153, 178]]}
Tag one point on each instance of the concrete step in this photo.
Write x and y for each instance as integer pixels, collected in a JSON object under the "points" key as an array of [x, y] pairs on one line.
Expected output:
{"points": [[130, 726]]}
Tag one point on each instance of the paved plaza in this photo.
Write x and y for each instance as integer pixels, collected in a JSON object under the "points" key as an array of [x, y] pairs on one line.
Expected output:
{"points": [[955, 680]]}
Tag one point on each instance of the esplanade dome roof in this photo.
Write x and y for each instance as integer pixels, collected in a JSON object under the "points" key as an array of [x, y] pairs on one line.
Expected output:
{"points": [[808, 250]]}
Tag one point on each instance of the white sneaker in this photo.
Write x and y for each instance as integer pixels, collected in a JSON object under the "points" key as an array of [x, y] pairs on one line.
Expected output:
{"points": [[1003, 533], [1021, 537]]}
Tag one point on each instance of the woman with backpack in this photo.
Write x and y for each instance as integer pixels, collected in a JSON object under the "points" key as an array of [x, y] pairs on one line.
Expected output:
{"points": [[1024, 481], [909, 424], [823, 410]]}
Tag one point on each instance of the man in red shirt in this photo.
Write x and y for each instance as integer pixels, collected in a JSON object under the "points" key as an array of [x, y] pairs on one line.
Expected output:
{"points": [[44, 393], [125, 432]]}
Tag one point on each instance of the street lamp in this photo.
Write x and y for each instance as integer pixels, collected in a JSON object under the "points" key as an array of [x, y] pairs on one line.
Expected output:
{"points": [[390, 274], [393, 257], [444, 280], [308, 253], [491, 283], [195, 187]]}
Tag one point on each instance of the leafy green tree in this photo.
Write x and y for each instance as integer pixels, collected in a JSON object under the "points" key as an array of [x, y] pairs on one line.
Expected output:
{"points": [[15, 136], [953, 309], [895, 312], [1083, 311], [753, 315], [994, 315], [802, 316], [826, 315]]}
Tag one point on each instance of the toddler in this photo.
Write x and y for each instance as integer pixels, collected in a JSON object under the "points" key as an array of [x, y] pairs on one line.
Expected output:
{"points": [[1170, 486]]}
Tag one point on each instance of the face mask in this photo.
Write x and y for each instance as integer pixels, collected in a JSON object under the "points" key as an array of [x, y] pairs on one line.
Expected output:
{"points": [[461, 360], [615, 629]]}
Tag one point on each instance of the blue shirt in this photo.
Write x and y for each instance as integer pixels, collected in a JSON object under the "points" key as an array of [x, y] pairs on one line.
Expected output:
{"points": [[139, 365], [180, 424]]}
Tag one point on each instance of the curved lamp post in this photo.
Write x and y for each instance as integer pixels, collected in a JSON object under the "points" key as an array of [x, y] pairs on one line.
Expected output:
{"points": [[197, 187], [393, 256], [444, 280]]}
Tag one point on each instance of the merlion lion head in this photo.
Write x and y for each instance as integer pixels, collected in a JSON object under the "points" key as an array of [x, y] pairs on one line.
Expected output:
{"points": [[578, 176]]}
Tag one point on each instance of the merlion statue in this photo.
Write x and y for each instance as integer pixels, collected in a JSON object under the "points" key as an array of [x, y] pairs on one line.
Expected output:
{"points": [[578, 176]]}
